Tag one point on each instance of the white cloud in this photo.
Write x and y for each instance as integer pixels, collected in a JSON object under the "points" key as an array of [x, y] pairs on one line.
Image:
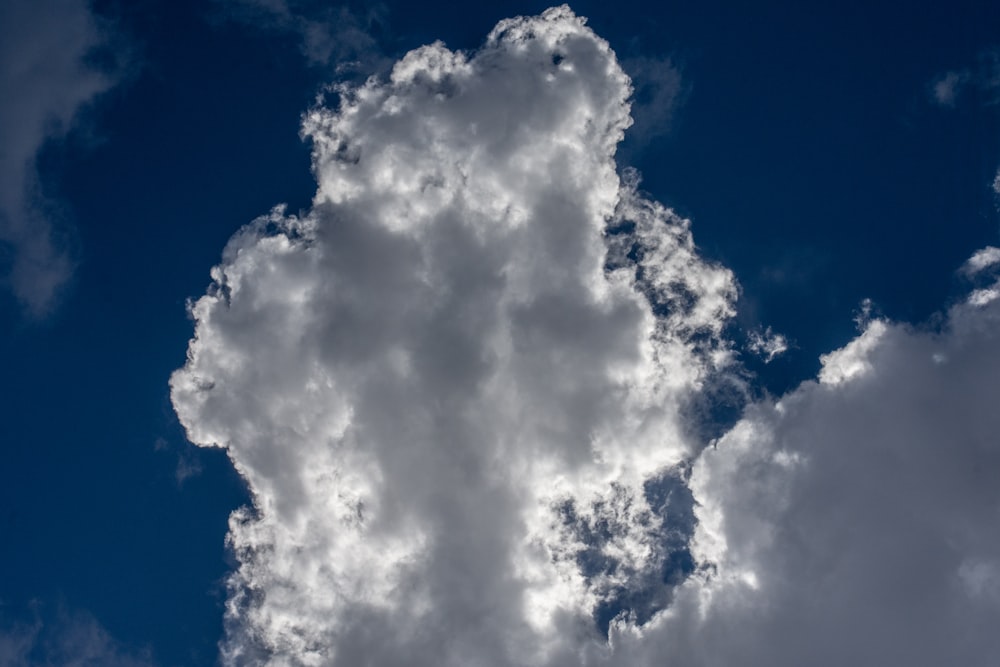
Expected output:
{"points": [[455, 387], [862, 511], [983, 77], [658, 92], [44, 82], [947, 87], [767, 344], [983, 263], [445, 375]]}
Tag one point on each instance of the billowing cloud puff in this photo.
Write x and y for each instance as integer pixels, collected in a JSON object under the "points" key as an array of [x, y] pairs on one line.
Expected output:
{"points": [[981, 260], [658, 91], [453, 385], [854, 521], [456, 387]]}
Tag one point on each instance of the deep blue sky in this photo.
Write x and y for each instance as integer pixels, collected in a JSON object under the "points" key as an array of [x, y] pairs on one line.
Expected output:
{"points": [[807, 150]]}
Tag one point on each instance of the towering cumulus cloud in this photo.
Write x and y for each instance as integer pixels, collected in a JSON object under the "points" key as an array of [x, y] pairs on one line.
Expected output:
{"points": [[456, 387], [440, 382]]}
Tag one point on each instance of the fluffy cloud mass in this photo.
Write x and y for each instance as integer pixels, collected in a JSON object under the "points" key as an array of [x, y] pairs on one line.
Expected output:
{"points": [[854, 521], [459, 385]]}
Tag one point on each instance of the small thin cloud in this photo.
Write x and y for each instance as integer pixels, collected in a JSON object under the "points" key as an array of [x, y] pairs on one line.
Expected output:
{"points": [[946, 88], [45, 80], [188, 466], [981, 260], [767, 344], [188, 463], [329, 35], [982, 77], [658, 89], [457, 388], [63, 639]]}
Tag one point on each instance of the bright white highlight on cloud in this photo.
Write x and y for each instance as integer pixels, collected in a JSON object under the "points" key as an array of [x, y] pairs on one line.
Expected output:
{"points": [[947, 87], [43, 84], [456, 387], [330, 34], [983, 263], [982, 259]]}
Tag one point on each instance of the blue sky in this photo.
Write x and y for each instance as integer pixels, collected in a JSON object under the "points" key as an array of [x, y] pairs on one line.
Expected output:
{"points": [[823, 155]]}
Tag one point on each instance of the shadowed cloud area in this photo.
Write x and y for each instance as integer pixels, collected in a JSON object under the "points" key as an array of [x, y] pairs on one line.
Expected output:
{"points": [[459, 387]]}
